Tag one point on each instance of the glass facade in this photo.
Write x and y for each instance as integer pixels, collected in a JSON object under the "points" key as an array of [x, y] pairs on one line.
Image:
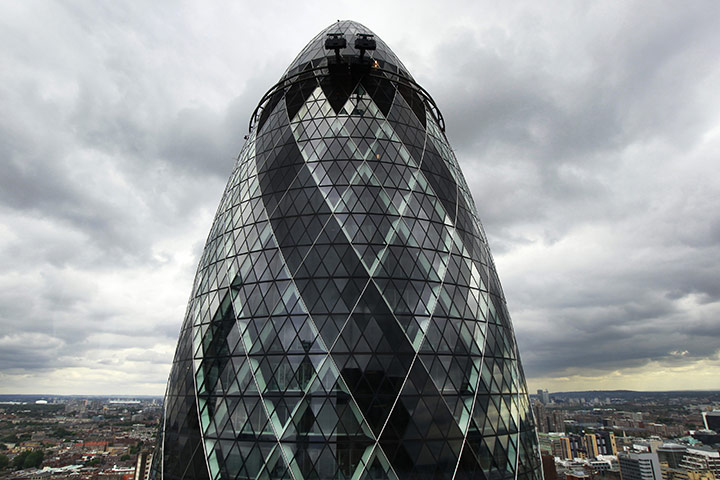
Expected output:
{"points": [[346, 320]]}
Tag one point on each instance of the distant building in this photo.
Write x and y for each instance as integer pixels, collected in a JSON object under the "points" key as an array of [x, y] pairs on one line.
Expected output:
{"points": [[700, 475], [549, 469], [671, 454], [648, 444], [639, 466], [561, 447], [571, 446], [591, 445], [606, 442], [624, 443], [702, 458], [577, 475], [142, 468], [577, 446], [584, 446], [706, 437], [546, 419], [95, 446], [685, 474], [556, 444], [712, 420], [599, 465], [544, 396], [541, 417]]}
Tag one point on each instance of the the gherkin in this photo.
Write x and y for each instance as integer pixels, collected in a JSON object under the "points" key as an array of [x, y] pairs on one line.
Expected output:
{"points": [[346, 319]]}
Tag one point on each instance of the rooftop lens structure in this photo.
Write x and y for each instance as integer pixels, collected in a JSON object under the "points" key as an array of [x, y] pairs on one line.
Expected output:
{"points": [[346, 320]]}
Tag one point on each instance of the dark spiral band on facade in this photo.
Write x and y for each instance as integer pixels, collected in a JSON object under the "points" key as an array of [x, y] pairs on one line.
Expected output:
{"points": [[318, 72], [346, 319]]}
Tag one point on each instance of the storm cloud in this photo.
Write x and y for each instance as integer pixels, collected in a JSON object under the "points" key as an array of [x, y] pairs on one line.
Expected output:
{"points": [[588, 134]]}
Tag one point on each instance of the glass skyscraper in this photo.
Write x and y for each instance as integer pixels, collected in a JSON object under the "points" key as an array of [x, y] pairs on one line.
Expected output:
{"points": [[346, 319]]}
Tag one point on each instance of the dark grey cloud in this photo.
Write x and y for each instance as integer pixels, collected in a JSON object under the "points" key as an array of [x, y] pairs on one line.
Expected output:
{"points": [[585, 142], [588, 134], [550, 121]]}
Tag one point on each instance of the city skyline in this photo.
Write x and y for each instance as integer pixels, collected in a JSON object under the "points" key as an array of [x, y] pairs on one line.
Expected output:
{"points": [[591, 163]]}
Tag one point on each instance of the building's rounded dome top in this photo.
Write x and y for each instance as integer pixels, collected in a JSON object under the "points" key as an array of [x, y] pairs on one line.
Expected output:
{"points": [[316, 54]]}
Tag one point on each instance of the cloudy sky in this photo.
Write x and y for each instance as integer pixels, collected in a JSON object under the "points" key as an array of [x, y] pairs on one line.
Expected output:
{"points": [[589, 134]]}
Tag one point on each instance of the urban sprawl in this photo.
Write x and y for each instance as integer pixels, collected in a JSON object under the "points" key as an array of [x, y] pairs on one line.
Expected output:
{"points": [[585, 435]]}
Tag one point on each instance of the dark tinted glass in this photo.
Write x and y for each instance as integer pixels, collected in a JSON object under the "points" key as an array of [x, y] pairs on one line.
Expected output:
{"points": [[346, 319]]}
